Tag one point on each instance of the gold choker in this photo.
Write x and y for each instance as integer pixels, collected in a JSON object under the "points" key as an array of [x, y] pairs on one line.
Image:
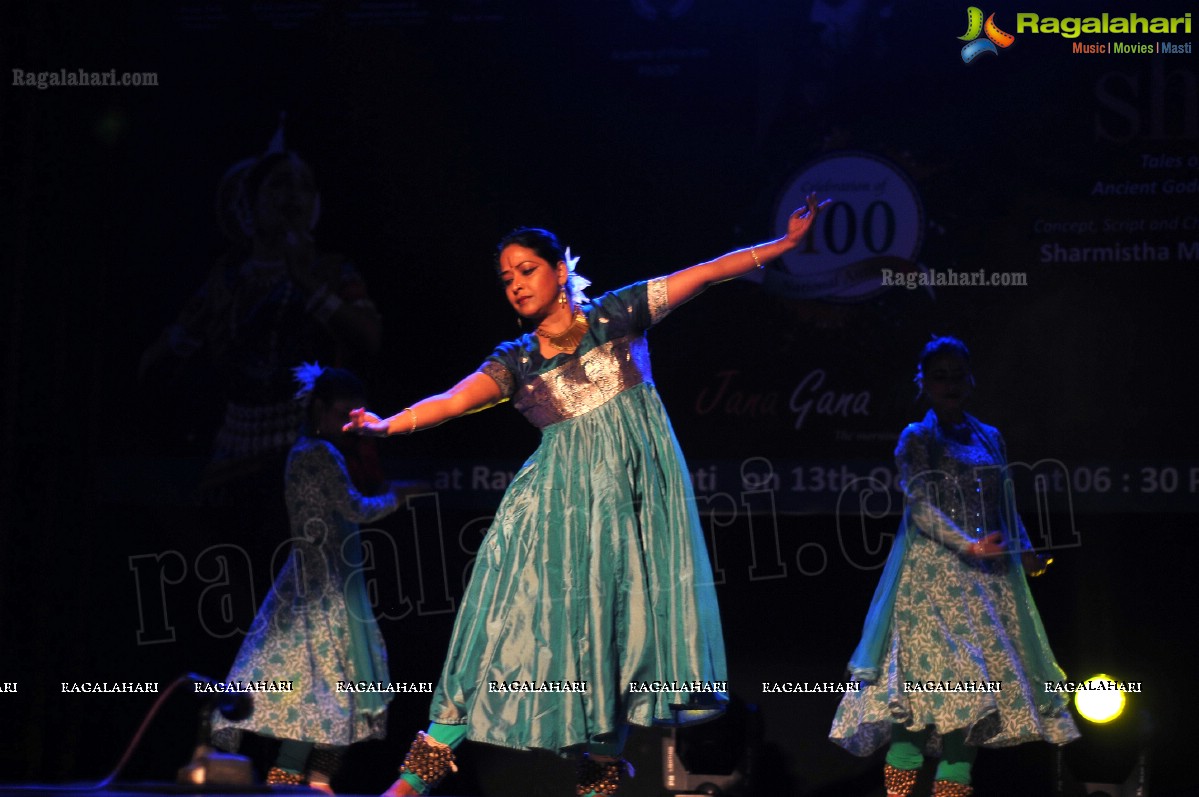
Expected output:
{"points": [[569, 339]]}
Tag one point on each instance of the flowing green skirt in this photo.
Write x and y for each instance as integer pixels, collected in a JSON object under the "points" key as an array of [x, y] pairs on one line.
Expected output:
{"points": [[593, 576]]}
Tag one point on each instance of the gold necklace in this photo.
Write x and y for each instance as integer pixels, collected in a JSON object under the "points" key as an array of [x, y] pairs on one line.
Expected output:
{"points": [[568, 339]]}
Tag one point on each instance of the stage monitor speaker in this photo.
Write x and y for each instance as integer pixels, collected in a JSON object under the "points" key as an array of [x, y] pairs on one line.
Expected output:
{"points": [[715, 757]]}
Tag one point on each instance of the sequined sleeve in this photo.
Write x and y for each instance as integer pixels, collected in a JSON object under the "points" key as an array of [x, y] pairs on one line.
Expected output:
{"points": [[318, 486], [659, 302], [634, 308], [504, 366], [501, 375], [927, 491]]}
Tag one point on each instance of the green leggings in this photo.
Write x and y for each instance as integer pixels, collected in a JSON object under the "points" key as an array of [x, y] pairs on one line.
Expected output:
{"points": [[453, 735], [295, 756], [906, 752]]}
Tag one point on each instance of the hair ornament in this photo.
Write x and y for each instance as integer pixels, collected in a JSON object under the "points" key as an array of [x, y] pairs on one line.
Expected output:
{"points": [[306, 375], [577, 283]]}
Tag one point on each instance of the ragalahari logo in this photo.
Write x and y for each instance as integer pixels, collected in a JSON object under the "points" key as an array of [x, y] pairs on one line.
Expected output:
{"points": [[976, 27]]}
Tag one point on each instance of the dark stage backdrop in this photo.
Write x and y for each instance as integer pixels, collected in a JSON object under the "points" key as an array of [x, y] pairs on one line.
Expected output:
{"points": [[1040, 200]]}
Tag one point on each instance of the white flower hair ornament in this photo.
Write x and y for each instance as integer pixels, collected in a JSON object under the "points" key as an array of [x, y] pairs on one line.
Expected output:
{"points": [[306, 375], [575, 283]]}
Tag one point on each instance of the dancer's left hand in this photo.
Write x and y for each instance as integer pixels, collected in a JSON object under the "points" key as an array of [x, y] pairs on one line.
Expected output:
{"points": [[803, 218]]}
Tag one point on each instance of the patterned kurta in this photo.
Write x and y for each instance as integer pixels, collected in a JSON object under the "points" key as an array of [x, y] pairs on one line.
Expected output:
{"points": [[955, 657], [316, 627], [594, 573]]}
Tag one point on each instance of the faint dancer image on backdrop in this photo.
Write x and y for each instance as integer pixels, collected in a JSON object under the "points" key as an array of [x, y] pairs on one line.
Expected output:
{"points": [[272, 301]]}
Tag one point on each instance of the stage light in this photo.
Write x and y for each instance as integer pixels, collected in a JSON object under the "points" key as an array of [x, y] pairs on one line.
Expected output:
{"points": [[1112, 757], [1100, 705]]}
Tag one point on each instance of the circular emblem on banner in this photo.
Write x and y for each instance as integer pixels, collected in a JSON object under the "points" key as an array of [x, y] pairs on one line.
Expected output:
{"points": [[871, 230]]}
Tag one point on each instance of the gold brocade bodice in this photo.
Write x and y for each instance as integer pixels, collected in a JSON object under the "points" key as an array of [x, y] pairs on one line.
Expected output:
{"points": [[582, 383]]}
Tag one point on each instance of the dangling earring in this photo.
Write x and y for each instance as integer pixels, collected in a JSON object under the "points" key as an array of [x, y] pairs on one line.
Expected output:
{"points": [[562, 296]]}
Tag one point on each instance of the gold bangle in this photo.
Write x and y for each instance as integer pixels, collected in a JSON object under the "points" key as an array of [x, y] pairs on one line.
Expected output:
{"points": [[753, 252], [409, 409]]}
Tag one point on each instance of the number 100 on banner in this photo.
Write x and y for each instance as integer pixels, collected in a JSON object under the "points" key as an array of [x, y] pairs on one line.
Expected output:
{"points": [[874, 223]]}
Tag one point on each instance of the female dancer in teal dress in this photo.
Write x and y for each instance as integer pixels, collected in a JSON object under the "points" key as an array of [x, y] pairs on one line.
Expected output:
{"points": [[316, 628], [593, 579], [953, 605]]}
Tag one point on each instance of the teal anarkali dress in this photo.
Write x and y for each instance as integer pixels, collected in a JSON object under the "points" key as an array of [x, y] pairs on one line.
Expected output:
{"points": [[594, 572], [951, 642]]}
